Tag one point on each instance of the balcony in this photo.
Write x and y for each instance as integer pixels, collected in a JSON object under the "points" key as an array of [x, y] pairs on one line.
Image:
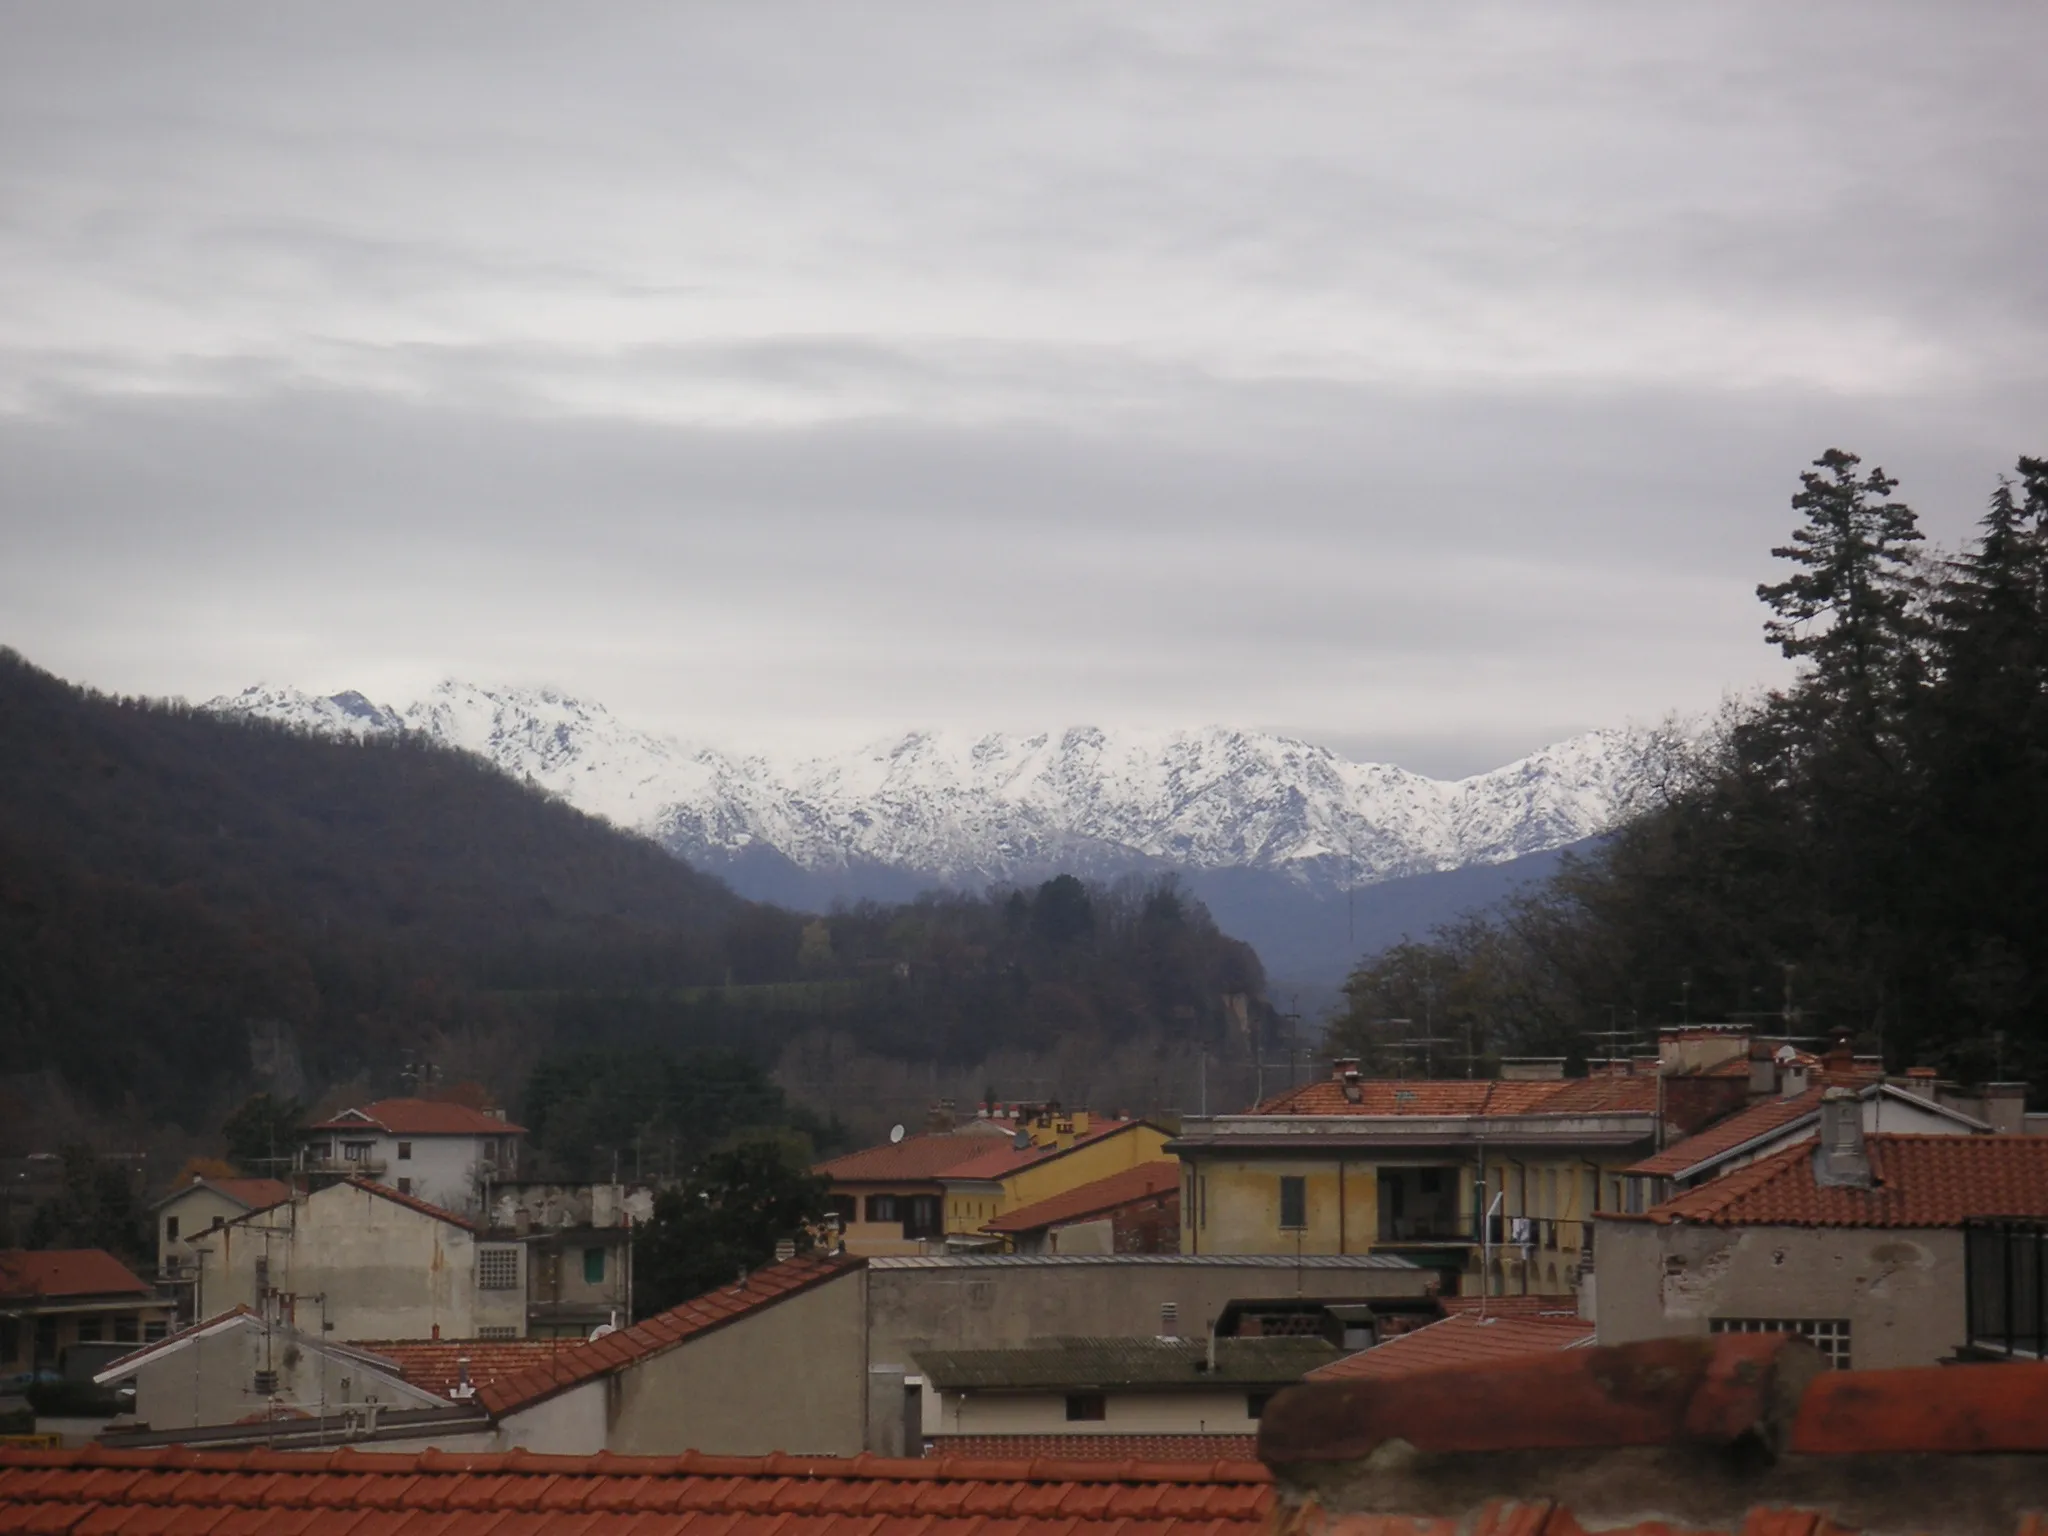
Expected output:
{"points": [[346, 1167], [1538, 1234]]}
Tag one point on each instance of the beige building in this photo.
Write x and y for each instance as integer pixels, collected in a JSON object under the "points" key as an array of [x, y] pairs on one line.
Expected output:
{"points": [[1108, 1387], [1855, 1241], [447, 1154], [52, 1300], [191, 1212], [1493, 1184], [358, 1260]]}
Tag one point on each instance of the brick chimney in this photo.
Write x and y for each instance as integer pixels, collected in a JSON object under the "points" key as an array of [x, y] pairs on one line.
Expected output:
{"points": [[1840, 1159]]}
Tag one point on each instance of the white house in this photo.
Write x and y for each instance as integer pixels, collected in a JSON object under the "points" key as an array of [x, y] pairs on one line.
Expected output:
{"points": [[445, 1154]]}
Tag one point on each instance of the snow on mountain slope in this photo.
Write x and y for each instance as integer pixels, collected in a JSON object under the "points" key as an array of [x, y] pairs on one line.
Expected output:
{"points": [[964, 809]]}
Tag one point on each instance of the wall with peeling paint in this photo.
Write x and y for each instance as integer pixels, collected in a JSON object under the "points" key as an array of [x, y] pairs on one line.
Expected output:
{"points": [[1900, 1289]]}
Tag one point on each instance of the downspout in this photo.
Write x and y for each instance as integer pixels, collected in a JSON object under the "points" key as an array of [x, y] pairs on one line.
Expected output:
{"points": [[1341, 1250]]}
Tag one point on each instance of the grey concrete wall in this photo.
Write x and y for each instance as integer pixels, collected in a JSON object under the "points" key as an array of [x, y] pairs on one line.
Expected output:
{"points": [[1901, 1290], [210, 1380], [788, 1377], [964, 1305]]}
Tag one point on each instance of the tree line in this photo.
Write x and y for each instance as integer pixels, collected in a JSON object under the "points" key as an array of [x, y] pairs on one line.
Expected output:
{"points": [[1865, 849]]}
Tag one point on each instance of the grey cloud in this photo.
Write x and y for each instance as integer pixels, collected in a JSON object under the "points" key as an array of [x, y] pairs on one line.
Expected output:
{"points": [[1433, 377]]}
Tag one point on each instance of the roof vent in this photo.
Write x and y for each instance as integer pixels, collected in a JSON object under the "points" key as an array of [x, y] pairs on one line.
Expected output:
{"points": [[1169, 1320], [785, 1249]]}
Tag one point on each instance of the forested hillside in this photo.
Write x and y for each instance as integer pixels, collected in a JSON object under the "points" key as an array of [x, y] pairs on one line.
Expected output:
{"points": [[1866, 849], [175, 886]]}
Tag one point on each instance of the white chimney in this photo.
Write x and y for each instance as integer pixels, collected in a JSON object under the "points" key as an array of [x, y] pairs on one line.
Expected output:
{"points": [[1840, 1159]]}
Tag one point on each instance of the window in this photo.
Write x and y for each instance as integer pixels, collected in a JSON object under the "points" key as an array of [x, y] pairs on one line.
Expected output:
{"points": [[1086, 1408], [921, 1216], [882, 1208], [356, 1151], [1293, 1202], [1829, 1335], [593, 1266], [127, 1330], [404, 1185], [497, 1268], [497, 1331], [170, 1229], [88, 1330], [1255, 1404], [152, 1332], [405, 1151]]}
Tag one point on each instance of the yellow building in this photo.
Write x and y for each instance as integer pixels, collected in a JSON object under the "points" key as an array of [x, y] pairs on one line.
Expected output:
{"points": [[933, 1192], [1494, 1179], [1051, 1157]]}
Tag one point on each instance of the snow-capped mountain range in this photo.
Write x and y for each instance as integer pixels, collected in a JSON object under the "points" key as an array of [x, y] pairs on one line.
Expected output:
{"points": [[964, 810]]}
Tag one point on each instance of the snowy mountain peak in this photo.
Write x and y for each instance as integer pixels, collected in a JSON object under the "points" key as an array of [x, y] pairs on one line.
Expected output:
{"points": [[957, 808]]}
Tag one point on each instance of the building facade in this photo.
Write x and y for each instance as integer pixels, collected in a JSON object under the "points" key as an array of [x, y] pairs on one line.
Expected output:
{"points": [[446, 1154]]}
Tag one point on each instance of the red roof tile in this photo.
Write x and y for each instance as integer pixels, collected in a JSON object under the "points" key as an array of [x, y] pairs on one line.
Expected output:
{"points": [[421, 1117], [434, 1493], [1159, 1447], [1001, 1162], [1616, 1094], [436, 1364], [26, 1273], [1920, 1181], [1464, 1339], [924, 1156], [250, 1194], [1146, 1181], [662, 1332], [1738, 1129]]}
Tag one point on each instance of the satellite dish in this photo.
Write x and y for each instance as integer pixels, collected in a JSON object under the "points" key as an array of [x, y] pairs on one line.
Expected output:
{"points": [[603, 1331], [895, 1134]]}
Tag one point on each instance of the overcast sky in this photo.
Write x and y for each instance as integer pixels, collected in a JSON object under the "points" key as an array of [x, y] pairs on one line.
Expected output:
{"points": [[1428, 381]]}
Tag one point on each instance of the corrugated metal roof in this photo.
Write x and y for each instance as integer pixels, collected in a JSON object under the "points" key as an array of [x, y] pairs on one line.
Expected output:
{"points": [[1099, 1364], [1214, 1260]]}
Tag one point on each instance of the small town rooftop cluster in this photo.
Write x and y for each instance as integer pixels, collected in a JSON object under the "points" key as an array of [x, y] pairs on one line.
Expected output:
{"points": [[1074, 1305]]}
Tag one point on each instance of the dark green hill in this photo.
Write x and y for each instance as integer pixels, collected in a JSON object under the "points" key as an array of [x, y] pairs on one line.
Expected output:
{"points": [[169, 878]]}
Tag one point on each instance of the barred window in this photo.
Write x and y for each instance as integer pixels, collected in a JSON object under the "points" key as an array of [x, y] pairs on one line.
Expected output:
{"points": [[497, 1268], [1829, 1335]]}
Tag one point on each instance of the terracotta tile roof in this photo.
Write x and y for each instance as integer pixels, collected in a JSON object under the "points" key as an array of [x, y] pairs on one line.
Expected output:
{"points": [[1001, 1162], [1626, 1094], [1462, 1340], [1159, 1447], [435, 1364], [26, 1273], [1146, 1181], [1921, 1181], [924, 1156], [438, 1493], [661, 1332], [1743, 1126], [1507, 1306], [250, 1194], [411, 1203], [421, 1117]]}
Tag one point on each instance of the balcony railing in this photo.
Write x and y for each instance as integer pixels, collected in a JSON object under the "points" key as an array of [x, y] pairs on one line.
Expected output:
{"points": [[365, 1167]]}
